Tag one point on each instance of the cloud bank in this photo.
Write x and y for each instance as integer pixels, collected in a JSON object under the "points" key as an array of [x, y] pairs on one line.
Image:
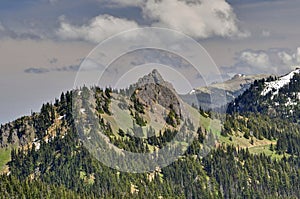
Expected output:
{"points": [[197, 18], [271, 61]]}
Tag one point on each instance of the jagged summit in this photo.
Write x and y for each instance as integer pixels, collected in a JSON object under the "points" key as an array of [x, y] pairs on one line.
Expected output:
{"points": [[152, 78]]}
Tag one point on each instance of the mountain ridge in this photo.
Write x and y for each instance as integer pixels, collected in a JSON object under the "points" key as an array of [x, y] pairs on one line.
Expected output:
{"points": [[222, 92]]}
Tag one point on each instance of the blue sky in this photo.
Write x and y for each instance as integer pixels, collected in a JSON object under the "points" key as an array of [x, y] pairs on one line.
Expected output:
{"points": [[42, 42]]}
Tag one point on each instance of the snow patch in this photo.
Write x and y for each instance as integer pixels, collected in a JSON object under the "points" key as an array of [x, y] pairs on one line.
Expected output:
{"points": [[82, 110], [290, 102], [241, 75], [277, 84], [298, 96], [37, 145], [192, 92]]}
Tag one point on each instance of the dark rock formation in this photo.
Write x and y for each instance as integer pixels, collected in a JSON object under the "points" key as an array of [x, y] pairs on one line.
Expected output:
{"points": [[152, 88]]}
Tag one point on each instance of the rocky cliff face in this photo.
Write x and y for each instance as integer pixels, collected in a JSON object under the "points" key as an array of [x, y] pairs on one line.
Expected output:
{"points": [[152, 88], [17, 133]]}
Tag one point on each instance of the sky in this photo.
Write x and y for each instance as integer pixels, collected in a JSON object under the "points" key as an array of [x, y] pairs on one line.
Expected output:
{"points": [[43, 43]]}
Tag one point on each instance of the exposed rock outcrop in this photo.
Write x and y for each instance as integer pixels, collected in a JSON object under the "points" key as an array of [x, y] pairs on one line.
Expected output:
{"points": [[152, 88]]}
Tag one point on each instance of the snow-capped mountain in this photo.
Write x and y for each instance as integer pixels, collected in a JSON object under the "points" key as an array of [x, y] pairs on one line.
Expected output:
{"points": [[275, 96]]}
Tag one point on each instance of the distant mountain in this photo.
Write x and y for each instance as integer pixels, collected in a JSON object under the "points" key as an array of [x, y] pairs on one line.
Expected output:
{"points": [[228, 90], [275, 96]]}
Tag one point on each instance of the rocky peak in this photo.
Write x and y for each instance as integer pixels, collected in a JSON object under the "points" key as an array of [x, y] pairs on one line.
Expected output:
{"points": [[152, 88], [152, 78]]}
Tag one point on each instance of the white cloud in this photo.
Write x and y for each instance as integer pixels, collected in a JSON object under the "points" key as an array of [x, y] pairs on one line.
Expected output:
{"points": [[258, 59], [290, 58], [200, 19], [98, 28], [297, 55], [271, 61], [266, 33], [196, 18], [286, 58]]}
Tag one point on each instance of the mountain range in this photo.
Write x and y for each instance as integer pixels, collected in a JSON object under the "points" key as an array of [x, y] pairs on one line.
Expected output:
{"points": [[252, 151]]}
